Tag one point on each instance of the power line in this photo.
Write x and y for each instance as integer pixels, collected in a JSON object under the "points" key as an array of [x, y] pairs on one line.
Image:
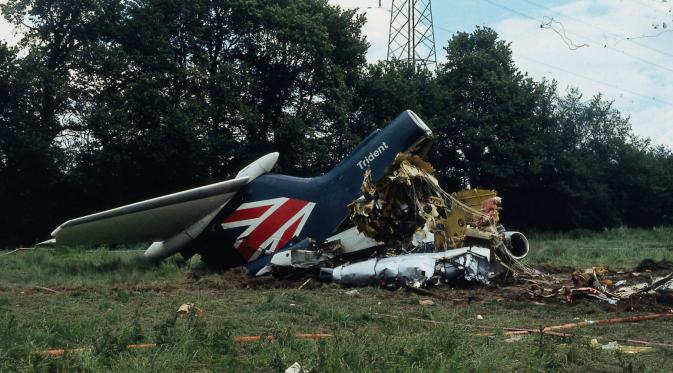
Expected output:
{"points": [[581, 36], [606, 84], [512, 10], [623, 37], [446, 29], [650, 36], [594, 80], [550, 24]]}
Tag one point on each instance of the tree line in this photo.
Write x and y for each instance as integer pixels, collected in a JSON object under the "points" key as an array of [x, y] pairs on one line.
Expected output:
{"points": [[106, 102]]}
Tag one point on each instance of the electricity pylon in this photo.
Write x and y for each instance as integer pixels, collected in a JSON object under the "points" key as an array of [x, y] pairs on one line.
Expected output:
{"points": [[412, 36]]}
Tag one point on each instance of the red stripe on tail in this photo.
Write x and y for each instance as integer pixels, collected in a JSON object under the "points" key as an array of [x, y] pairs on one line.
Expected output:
{"points": [[271, 225], [246, 214]]}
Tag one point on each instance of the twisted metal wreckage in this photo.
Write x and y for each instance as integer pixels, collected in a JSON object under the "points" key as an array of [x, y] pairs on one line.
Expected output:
{"points": [[611, 287], [409, 232]]}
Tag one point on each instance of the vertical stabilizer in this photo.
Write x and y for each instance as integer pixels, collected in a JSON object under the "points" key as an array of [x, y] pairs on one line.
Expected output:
{"points": [[378, 150]]}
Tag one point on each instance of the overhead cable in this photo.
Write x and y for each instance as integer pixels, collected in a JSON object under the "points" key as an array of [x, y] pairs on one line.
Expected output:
{"points": [[584, 37], [581, 76], [620, 36]]}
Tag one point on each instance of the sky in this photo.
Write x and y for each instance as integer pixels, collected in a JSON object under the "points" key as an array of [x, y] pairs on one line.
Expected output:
{"points": [[7, 32], [621, 48]]}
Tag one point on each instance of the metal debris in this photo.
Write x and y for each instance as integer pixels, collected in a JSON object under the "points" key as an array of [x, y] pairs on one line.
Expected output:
{"points": [[515, 338], [407, 209], [408, 232], [294, 368], [470, 264], [615, 346], [353, 293], [189, 308], [594, 283]]}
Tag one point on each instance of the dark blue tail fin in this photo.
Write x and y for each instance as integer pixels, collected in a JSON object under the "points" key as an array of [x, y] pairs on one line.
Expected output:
{"points": [[328, 195], [341, 186], [379, 149]]}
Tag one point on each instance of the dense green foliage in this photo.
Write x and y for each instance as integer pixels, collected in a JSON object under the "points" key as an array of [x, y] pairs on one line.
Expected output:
{"points": [[109, 102]]}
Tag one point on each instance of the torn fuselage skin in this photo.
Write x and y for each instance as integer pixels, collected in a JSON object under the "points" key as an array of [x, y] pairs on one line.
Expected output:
{"points": [[472, 264], [410, 232]]}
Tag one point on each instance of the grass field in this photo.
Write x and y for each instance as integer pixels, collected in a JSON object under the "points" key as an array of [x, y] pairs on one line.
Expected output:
{"points": [[105, 300]]}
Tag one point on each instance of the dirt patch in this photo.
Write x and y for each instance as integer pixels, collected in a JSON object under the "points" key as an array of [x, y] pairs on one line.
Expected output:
{"points": [[652, 265], [506, 290]]}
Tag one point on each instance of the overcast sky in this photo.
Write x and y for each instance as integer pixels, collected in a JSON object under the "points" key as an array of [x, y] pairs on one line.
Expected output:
{"points": [[628, 52]]}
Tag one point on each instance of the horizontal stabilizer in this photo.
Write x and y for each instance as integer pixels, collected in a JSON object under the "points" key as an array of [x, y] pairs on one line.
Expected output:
{"points": [[155, 219]]}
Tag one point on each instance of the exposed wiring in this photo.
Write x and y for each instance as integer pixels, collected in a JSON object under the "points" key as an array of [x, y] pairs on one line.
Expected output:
{"points": [[594, 80]]}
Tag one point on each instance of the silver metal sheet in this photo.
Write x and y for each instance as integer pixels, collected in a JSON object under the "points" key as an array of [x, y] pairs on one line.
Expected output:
{"points": [[153, 220], [418, 269]]}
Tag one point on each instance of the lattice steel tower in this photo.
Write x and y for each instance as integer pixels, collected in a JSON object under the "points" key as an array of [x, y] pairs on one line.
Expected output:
{"points": [[412, 36]]}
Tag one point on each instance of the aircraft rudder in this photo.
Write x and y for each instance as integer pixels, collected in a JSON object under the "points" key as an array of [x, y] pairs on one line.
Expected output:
{"points": [[379, 149]]}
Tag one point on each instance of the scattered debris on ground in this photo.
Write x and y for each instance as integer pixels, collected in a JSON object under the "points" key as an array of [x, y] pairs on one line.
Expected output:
{"points": [[605, 285], [517, 334], [294, 368], [426, 302], [615, 346], [257, 338], [60, 351], [46, 289], [189, 309], [353, 293]]}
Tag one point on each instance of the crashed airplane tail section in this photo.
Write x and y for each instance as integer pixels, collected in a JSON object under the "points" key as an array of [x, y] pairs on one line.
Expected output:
{"points": [[234, 222], [275, 210], [379, 215], [419, 235]]}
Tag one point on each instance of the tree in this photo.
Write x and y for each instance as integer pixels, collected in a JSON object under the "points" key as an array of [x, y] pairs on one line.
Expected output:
{"points": [[29, 161], [109, 102], [388, 88], [136, 99], [486, 124], [300, 60]]}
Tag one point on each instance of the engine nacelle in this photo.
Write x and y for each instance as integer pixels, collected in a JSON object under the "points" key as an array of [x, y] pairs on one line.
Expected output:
{"points": [[516, 244]]}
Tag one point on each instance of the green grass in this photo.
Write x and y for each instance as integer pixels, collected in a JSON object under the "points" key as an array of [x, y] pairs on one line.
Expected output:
{"points": [[620, 248], [107, 299]]}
